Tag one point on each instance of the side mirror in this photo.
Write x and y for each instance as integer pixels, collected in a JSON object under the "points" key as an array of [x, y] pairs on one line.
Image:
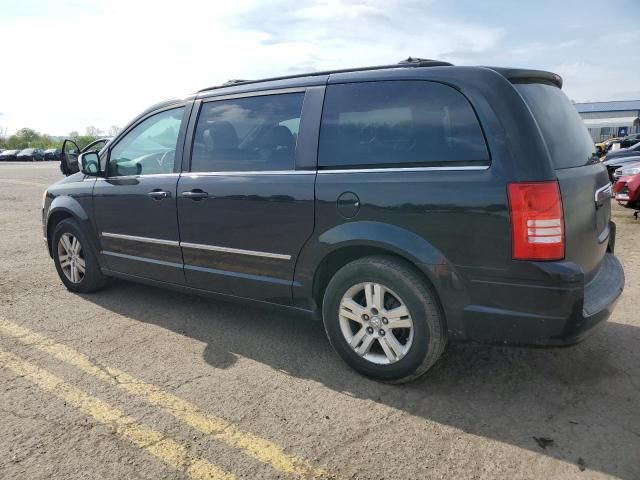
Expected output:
{"points": [[90, 163]]}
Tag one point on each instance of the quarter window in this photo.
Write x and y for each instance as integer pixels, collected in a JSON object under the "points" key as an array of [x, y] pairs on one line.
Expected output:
{"points": [[247, 134], [150, 148], [387, 123]]}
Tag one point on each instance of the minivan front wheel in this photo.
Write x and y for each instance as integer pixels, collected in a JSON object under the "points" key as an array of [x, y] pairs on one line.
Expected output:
{"points": [[74, 258], [71, 258], [383, 319]]}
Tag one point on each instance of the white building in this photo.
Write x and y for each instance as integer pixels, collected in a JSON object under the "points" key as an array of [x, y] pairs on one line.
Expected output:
{"points": [[610, 119]]}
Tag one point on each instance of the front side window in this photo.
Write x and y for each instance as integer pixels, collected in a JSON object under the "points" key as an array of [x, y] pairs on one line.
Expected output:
{"points": [[390, 123], [247, 134], [150, 148]]}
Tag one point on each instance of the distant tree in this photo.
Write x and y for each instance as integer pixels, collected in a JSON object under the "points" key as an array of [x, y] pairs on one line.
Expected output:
{"points": [[27, 136], [113, 131], [84, 140], [14, 142], [30, 138], [92, 131]]}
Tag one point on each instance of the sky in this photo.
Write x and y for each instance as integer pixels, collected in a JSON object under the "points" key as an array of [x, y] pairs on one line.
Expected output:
{"points": [[69, 64]]}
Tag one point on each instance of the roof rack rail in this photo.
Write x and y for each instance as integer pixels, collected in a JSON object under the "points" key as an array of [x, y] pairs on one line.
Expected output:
{"points": [[409, 62], [234, 81], [423, 62]]}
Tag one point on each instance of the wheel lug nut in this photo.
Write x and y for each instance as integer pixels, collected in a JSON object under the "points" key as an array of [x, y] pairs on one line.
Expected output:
{"points": [[369, 330], [365, 317], [374, 311], [381, 332], [385, 320]]}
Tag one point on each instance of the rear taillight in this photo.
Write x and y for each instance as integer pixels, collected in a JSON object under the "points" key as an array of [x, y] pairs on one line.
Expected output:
{"points": [[537, 223]]}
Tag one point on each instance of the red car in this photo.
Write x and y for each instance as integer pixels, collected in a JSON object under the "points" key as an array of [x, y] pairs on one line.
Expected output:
{"points": [[627, 189]]}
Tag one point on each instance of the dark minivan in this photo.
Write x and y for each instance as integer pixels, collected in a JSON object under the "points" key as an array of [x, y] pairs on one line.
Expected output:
{"points": [[404, 205]]}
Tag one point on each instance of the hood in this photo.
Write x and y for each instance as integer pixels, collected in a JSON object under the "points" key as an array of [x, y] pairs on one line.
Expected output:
{"points": [[76, 177]]}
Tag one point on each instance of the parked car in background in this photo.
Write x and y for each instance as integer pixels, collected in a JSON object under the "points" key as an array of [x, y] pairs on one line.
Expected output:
{"points": [[630, 140], [609, 144], [623, 152], [9, 155], [403, 205], [614, 164], [52, 154], [628, 170], [626, 190], [31, 155]]}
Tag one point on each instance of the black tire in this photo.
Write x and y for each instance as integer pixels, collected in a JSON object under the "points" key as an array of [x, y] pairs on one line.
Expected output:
{"points": [[429, 337], [93, 278]]}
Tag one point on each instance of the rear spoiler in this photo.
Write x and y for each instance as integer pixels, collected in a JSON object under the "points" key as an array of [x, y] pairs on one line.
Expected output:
{"points": [[519, 75]]}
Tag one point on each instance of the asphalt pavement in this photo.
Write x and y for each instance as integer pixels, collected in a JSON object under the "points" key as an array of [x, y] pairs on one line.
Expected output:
{"points": [[136, 382]]}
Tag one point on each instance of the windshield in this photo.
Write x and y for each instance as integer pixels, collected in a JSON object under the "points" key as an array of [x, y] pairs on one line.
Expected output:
{"points": [[564, 132]]}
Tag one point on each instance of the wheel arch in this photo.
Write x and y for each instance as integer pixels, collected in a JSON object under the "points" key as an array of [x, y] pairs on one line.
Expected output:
{"points": [[330, 251], [64, 207], [344, 255]]}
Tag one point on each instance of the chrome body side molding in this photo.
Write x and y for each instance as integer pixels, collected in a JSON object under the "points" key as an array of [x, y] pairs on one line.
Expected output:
{"points": [[197, 246]]}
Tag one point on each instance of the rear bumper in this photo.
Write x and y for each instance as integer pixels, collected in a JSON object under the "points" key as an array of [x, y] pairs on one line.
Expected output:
{"points": [[562, 313], [599, 299]]}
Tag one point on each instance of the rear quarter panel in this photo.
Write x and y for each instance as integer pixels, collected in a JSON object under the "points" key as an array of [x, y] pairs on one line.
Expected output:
{"points": [[461, 217]]}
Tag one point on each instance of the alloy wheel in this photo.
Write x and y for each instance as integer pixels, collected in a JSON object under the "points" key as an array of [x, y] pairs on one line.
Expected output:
{"points": [[376, 323], [71, 257]]}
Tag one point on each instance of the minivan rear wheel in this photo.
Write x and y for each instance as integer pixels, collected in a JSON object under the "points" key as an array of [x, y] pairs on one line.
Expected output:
{"points": [[75, 260], [383, 319]]}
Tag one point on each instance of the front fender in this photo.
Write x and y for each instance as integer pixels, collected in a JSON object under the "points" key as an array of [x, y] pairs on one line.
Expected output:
{"points": [[388, 238], [66, 206]]}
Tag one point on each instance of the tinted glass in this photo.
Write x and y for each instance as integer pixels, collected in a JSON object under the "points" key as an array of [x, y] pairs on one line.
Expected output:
{"points": [[398, 122], [149, 148], [564, 132], [247, 134]]}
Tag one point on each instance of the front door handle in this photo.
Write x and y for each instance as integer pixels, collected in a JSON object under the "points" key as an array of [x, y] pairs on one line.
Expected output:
{"points": [[195, 194], [158, 194]]}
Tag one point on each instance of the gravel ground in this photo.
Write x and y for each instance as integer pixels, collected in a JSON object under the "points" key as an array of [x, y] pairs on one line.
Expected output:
{"points": [[482, 412]]}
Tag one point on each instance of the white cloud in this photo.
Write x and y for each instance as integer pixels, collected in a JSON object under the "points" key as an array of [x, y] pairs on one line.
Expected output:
{"points": [[100, 62]]}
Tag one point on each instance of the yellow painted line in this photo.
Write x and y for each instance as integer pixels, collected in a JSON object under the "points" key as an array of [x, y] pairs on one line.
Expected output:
{"points": [[221, 429], [23, 182], [169, 451]]}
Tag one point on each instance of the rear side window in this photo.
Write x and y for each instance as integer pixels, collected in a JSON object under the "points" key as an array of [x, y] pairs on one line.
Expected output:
{"points": [[390, 123], [564, 132], [247, 134]]}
